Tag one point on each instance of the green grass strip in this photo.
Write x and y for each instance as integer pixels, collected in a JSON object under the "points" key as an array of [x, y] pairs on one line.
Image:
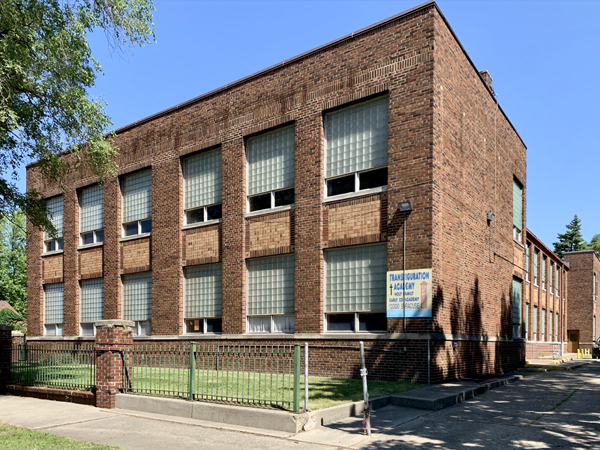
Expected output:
{"points": [[17, 438]]}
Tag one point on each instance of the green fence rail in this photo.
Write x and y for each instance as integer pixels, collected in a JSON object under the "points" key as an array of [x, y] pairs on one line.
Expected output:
{"points": [[61, 366], [264, 375]]}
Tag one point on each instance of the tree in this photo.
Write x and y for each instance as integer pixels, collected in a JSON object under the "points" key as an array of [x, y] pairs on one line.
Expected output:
{"points": [[572, 240], [595, 244], [13, 261], [46, 69]]}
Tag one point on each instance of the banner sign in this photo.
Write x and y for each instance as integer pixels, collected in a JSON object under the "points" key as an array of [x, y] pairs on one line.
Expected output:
{"points": [[412, 294]]}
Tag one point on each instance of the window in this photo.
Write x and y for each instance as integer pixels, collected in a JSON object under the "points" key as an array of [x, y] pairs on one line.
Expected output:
{"points": [[594, 288], [556, 329], [202, 187], [550, 333], [516, 310], [203, 299], [92, 305], [55, 212], [557, 281], [54, 301], [271, 294], [271, 169], [536, 258], [137, 203], [527, 261], [543, 325], [551, 274], [527, 321], [137, 301], [544, 258], [535, 322], [356, 147], [517, 210], [355, 294], [91, 226]]}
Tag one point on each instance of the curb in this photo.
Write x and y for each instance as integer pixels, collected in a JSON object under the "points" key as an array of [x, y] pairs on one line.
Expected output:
{"points": [[450, 399]]}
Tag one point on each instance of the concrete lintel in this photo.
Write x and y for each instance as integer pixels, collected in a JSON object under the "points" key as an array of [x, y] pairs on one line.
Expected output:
{"points": [[115, 323], [6, 327]]}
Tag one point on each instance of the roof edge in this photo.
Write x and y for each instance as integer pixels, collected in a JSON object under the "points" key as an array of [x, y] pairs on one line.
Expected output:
{"points": [[545, 247]]}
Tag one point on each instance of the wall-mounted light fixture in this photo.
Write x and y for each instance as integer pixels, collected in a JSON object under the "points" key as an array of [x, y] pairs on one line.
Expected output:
{"points": [[405, 206], [491, 216]]}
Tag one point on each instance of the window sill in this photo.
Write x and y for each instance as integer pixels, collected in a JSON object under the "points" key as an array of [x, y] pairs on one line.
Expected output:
{"points": [[201, 224], [263, 212], [519, 243], [86, 246], [134, 237], [363, 193], [55, 252]]}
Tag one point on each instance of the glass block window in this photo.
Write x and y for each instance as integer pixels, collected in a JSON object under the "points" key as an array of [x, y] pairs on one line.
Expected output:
{"points": [[550, 333], [203, 291], [517, 206], [356, 141], [137, 296], [137, 196], [516, 298], [527, 261], [557, 329], [543, 324], [535, 322], [544, 258], [54, 303], [536, 258], [56, 215], [271, 169], [92, 300], [202, 186], [91, 204], [271, 285], [551, 275], [355, 279]]}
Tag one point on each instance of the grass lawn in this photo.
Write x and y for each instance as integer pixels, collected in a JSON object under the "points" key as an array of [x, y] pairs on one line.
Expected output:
{"points": [[263, 388], [235, 386], [17, 438]]}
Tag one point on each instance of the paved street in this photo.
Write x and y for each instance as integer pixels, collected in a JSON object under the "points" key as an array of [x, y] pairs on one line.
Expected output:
{"points": [[558, 409]]}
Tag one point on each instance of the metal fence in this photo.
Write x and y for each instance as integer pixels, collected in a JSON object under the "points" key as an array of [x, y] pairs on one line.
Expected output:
{"points": [[61, 366], [265, 375]]}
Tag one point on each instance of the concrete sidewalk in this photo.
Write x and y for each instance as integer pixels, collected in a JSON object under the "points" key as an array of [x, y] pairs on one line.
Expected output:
{"points": [[134, 430]]}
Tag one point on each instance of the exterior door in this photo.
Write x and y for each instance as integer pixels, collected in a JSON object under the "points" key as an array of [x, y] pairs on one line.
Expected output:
{"points": [[573, 344]]}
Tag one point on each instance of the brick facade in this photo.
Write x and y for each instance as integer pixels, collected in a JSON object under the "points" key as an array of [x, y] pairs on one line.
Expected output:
{"points": [[583, 304], [549, 299], [447, 139]]}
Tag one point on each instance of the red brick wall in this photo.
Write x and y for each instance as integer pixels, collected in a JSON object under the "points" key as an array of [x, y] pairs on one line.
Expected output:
{"points": [[582, 307], [442, 124]]}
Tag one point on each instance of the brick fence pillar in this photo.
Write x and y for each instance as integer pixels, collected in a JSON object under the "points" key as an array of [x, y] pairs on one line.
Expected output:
{"points": [[113, 337], [5, 354]]}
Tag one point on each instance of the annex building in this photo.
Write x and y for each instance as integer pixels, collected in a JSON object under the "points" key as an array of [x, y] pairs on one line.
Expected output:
{"points": [[273, 209]]}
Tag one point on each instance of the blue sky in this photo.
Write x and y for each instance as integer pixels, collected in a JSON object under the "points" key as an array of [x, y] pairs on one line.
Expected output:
{"points": [[544, 57]]}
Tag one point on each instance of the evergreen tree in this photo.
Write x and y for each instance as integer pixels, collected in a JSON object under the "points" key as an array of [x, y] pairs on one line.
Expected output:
{"points": [[572, 240]]}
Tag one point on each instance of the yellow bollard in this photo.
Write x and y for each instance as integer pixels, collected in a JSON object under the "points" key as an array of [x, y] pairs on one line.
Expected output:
{"points": [[578, 354]]}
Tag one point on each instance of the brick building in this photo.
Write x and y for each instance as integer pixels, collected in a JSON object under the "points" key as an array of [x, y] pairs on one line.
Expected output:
{"points": [[583, 291], [545, 299], [267, 211]]}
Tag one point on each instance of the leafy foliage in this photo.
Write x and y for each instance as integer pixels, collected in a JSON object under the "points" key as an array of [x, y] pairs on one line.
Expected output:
{"points": [[46, 69], [8, 317], [572, 240], [595, 244], [13, 261]]}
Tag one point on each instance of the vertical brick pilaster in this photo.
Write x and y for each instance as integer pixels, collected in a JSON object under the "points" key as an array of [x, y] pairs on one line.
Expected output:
{"points": [[167, 220], [233, 237], [71, 263], [309, 269], [112, 249], [113, 337], [5, 353]]}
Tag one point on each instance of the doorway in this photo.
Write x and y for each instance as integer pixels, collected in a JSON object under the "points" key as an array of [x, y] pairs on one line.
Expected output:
{"points": [[573, 344]]}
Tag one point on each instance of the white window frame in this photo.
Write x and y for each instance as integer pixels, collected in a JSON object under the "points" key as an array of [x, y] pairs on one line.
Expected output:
{"points": [[357, 189], [95, 232], [204, 320], [139, 222], [270, 316], [273, 191], [81, 323], [58, 242], [58, 329], [139, 325], [188, 211], [356, 322]]}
